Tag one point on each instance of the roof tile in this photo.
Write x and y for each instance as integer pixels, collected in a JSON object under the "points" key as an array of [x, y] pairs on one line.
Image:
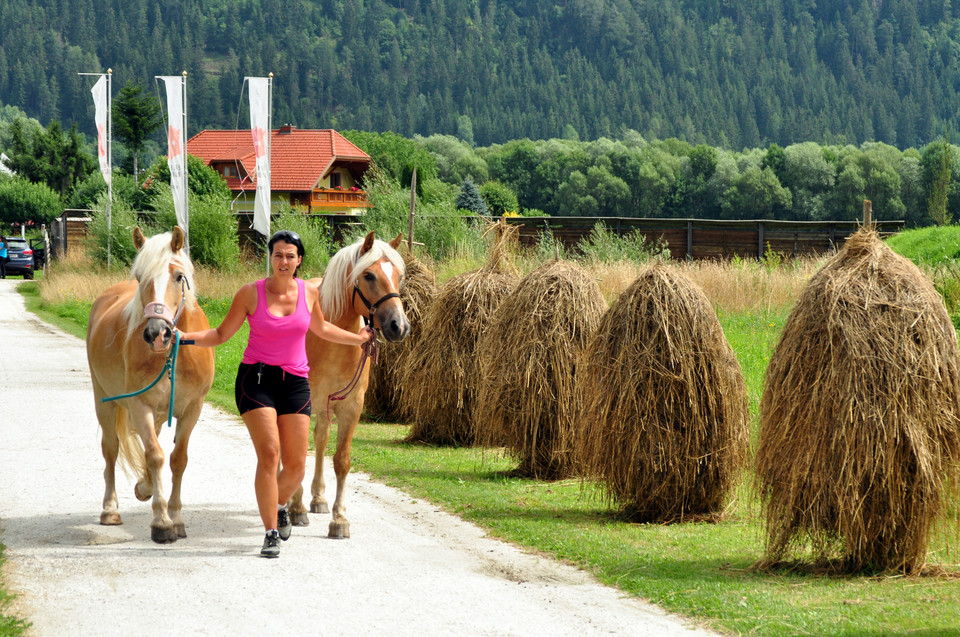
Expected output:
{"points": [[298, 158]]}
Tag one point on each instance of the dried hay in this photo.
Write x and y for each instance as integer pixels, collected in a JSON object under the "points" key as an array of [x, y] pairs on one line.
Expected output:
{"points": [[526, 399], [859, 418], [440, 376], [665, 416], [417, 290]]}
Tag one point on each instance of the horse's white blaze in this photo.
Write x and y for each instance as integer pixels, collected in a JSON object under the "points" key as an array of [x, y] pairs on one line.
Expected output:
{"points": [[387, 268], [160, 287]]}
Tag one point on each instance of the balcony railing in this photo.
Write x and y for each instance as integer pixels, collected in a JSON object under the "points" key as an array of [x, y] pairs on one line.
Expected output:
{"points": [[326, 198]]}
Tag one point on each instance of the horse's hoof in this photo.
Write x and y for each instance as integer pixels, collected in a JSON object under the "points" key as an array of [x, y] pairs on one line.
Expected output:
{"points": [[141, 495], [181, 530], [319, 507], [339, 530], [110, 519], [300, 518], [163, 536]]}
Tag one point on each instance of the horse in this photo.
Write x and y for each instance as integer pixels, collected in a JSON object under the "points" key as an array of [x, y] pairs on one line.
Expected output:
{"points": [[130, 340], [361, 282]]}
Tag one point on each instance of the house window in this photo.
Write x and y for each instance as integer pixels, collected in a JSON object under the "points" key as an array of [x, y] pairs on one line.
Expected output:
{"points": [[229, 171], [335, 180]]}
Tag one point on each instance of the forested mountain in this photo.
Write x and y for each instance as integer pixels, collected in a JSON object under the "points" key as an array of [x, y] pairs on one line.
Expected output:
{"points": [[729, 73]]}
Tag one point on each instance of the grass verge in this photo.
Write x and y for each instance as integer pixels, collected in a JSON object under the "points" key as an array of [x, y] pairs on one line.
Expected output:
{"points": [[700, 570]]}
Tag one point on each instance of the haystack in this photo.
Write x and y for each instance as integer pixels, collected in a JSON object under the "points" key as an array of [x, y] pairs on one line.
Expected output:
{"points": [[860, 421], [527, 399], [417, 290], [665, 404], [440, 377]]}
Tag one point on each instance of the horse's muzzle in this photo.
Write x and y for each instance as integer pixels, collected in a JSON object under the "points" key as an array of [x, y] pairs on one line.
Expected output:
{"points": [[158, 334], [394, 324]]}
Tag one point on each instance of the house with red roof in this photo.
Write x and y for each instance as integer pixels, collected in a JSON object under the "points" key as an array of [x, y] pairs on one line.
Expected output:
{"points": [[316, 171]]}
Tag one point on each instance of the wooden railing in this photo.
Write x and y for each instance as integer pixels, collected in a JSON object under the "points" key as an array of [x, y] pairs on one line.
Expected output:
{"points": [[324, 198], [708, 238]]}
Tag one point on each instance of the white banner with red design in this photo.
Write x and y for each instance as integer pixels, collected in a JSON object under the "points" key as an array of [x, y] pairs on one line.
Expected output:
{"points": [[260, 129], [99, 91], [176, 146]]}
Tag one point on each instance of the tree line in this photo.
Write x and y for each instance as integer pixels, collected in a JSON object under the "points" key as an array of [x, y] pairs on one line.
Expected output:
{"points": [[627, 177], [732, 75]]}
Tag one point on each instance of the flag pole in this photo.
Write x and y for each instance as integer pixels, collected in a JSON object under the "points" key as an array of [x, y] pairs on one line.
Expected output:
{"points": [[186, 168], [110, 163], [108, 147], [269, 158]]}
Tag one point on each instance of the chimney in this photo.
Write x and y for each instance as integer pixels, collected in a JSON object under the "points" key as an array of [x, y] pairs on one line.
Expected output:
{"points": [[286, 129]]}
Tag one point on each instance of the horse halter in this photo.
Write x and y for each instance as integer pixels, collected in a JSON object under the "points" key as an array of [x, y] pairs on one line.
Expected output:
{"points": [[159, 309], [372, 307]]}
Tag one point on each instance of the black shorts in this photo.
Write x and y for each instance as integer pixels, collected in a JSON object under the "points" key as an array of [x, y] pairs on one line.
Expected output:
{"points": [[259, 385]]}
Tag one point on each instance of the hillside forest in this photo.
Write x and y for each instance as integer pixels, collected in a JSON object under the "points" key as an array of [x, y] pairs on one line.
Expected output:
{"points": [[729, 74], [784, 109]]}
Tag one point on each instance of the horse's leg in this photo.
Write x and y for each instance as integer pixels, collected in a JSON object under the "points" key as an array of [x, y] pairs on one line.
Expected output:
{"points": [[321, 436], [107, 414], [178, 462], [162, 530], [348, 415]]}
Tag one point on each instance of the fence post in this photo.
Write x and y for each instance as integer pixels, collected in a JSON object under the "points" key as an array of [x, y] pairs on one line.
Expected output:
{"points": [[759, 240], [867, 213], [689, 240], [413, 199]]}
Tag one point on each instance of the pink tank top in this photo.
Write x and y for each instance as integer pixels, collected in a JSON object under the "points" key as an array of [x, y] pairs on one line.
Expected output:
{"points": [[279, 340]]}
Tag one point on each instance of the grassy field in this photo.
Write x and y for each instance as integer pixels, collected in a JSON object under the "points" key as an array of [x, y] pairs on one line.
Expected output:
{"points": [[701, 570]]}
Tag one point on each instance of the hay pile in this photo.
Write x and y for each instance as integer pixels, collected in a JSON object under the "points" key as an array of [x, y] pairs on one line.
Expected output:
{"points": [[528, 357], [860, 421], [417, 290], [664, 402], [440, 376]]}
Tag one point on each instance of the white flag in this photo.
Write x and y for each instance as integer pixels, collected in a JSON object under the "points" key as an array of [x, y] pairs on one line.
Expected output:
{"points": [[176, 158], [99, 91], [260, 129]]}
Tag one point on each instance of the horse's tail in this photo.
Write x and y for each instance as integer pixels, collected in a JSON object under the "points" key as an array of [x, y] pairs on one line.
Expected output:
{"points": [[132, 458]]}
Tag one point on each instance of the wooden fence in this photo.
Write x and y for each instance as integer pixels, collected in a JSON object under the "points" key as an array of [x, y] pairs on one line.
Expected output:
{"points": [[685, 238], [708, 238]]}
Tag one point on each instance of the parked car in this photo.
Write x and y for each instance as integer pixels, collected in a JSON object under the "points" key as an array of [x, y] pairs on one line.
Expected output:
{"points": [[19, 257]]}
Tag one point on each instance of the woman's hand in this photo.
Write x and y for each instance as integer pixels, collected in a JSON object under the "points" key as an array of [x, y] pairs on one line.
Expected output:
{"points": [[369, 332]]}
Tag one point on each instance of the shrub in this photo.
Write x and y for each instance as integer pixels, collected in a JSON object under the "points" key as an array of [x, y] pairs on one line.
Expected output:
{"points": [[604, 245], [212, 228], [122, 222], [499, 198]]}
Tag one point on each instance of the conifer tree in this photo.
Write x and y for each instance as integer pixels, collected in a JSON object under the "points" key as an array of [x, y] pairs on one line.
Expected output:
{"points": [[469, 198]]}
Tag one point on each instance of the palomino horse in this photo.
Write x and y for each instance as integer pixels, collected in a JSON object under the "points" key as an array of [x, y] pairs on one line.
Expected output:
{"points": [[362, 281], [129, 341]]}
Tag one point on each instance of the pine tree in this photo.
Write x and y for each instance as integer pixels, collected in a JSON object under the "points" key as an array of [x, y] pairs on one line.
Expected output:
{"points": [[136, 116], [469, 198]]}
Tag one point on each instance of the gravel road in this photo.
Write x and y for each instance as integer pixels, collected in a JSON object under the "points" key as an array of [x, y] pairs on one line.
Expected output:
{"points": [[408, 569]]}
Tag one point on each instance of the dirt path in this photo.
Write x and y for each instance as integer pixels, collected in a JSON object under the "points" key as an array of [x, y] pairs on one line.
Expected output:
{"points": [[408, 569]]}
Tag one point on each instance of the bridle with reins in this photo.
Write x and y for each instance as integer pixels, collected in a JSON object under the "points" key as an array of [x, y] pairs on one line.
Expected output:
{"points": [[369, 349]]}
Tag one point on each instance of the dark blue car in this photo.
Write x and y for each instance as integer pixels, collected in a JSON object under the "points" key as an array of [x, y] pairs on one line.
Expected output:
{"points": [[19, 257]]}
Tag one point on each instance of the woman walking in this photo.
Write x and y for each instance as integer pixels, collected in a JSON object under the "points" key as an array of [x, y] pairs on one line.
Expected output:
{"points": [[272, 392]]}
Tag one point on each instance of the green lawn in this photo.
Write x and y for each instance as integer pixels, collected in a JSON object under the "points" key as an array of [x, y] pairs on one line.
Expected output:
{"points": [[699, 570]]}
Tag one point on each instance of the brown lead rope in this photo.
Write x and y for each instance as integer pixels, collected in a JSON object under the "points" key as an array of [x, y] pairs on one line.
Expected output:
{"points": [[369, 350]]}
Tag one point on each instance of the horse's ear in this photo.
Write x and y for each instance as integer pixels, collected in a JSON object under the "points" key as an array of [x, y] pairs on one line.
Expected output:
{"points": [[367, 244], [395, 242], [138, 238], [176, 243]]}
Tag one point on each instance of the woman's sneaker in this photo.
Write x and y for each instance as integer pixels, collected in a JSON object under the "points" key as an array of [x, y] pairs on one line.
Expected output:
{"points": [[284, 525], [271, 545]]}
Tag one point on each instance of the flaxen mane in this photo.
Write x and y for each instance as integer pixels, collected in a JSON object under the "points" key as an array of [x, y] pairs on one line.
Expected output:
{"points": [[346, 266]]}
